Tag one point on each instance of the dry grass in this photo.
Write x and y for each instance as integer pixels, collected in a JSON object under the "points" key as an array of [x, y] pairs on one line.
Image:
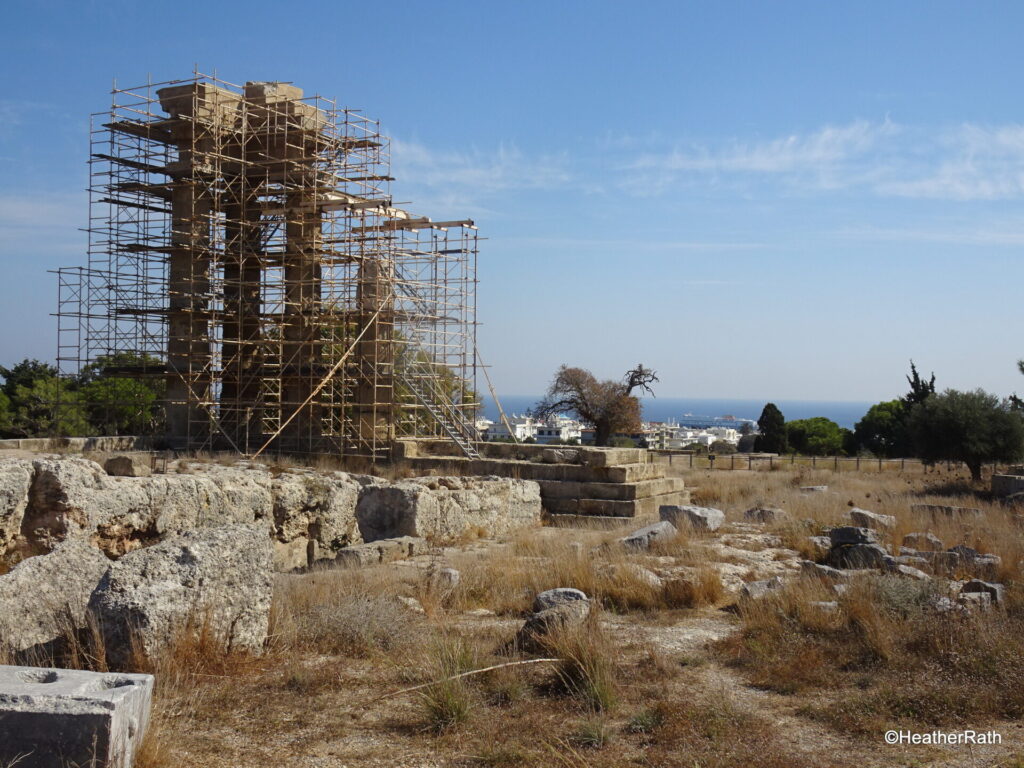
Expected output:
{"points": [[507, 580], [587, 670], [885, 655]]}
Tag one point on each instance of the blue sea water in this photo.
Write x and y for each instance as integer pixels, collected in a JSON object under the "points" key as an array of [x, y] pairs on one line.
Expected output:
{"points": [[843, 413]]}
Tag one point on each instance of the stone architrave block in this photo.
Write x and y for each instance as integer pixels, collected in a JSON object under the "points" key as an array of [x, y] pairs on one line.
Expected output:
{"points": [[53, 718]]}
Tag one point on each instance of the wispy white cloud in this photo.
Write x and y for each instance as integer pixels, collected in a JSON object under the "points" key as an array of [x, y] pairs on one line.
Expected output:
{"points": [[970, 162], [1000, 235], [630, 246], [42, 224], [964, 162], [464, 181]]}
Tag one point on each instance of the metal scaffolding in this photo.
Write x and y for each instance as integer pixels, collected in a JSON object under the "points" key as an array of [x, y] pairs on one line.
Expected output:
{"points": [[245, 256]]}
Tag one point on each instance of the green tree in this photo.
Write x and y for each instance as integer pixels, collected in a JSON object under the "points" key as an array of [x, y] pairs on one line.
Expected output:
{"points": [[972, 427], [883, 430], [25, 373], [120, 398], [747, 443], [722, 448], [1016, 402], [608, 406], [920, 390], [120, 406], [772, 431], [817, 436], [48, 406], [5, 413]]}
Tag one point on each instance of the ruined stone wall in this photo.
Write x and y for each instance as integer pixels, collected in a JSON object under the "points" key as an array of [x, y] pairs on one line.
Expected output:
{"points": [[310, 516]]}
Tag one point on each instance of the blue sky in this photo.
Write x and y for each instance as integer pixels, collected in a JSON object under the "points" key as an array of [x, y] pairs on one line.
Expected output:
{"points": [[759, 200]]}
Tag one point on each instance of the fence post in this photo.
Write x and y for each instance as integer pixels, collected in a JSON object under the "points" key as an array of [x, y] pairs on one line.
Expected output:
{"points": [[903, 464], [814, 462], [771, 462], [858, 463], [879, 465], [732, 461], [750, 462], [691, 461]]}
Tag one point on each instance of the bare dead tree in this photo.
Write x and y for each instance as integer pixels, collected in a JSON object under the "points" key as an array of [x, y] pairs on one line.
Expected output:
{"points": [[608, 406]]}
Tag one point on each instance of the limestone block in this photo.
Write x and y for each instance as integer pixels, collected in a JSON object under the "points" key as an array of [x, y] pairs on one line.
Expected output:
{"points": [[52, 718], [755, 590], [559, 617], [825, 572], [15, 481], [857, 556], [446, 508], [75, 498], [698, 518], [549, 598], [942, 510], [820, 545], [560, 456], [997, 592], [220, 577], [865, 519], [44, 598], [643, 538], [317, 508], [1005, 485], [848, 534], [765, 514], [127, 466], [923, 540]]}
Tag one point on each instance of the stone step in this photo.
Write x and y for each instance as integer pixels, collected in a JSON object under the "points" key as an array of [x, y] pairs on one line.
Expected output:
{"points": [[527, 470], [567, 489], [595, 522], [635, 508]]}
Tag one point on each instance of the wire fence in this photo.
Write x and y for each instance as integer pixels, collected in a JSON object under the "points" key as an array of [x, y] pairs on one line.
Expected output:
{"points": [[768, 462]]}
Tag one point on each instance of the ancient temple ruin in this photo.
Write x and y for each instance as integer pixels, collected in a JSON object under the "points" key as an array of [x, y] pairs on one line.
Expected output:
{"points": [[245, 252]]}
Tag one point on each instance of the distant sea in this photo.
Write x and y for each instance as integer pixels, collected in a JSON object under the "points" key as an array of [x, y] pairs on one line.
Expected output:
{"points": [[843, 413]]}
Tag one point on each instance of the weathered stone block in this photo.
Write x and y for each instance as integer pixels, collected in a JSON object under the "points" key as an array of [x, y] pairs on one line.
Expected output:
{"points": [[865, 519], [848, 534], [942, 510], [219, 578], [549, 598], [765, 514], [15, 481], [924, 541], [446, 508], [1004, 485], [44, 598], [857, 556], [997, 592], [650, 534], [127, 466], [697, 518], [53, 718], [826, 572], [755, 590]]}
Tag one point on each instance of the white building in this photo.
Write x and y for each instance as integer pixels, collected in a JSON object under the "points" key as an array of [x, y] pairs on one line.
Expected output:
{"points": [[670, 436], [559, 429], [523, 427]]}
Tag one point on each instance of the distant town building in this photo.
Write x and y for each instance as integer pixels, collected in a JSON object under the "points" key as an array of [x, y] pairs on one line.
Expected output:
{"points": [[674, 436], [524, 428]]}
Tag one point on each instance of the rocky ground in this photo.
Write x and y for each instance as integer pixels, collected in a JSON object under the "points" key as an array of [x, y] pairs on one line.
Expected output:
{"points": [[673, 652]]}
